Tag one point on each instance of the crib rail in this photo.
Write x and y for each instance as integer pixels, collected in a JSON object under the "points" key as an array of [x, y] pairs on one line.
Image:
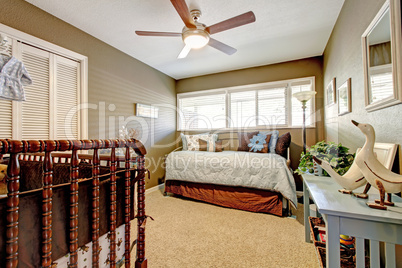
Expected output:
{"points": [[62, 157], [50, 150]]}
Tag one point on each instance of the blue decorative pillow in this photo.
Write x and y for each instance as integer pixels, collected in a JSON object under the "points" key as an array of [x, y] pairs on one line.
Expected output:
{"points": [[274, 139], [259, 143]]}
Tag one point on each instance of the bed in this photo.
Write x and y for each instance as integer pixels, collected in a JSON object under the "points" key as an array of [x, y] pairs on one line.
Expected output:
{"points": [[69, 209], [258, 182]]}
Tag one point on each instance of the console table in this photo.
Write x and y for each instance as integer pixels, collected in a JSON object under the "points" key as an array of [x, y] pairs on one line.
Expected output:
{"points": [[348, 215]]}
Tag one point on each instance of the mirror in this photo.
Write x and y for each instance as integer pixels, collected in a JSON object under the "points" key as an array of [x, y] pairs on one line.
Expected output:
{"points": [[381, 58]]}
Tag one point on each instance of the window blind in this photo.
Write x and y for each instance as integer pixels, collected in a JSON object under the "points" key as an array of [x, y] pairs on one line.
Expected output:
{"points": [[272, 106], [203, 112], [251, 106], [242, 109], [381, 83]]}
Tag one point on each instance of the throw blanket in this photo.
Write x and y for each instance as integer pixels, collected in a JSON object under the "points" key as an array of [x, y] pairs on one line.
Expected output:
{"points": [[233, 168]]}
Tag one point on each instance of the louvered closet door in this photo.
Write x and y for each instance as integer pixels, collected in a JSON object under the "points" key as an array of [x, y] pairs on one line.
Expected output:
{"points": [[6, 128], [6, 109], [35, 111], [67, 97]]}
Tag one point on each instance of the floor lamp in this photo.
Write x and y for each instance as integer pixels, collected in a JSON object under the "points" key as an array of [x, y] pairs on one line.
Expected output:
{"points": [[304, 97]]}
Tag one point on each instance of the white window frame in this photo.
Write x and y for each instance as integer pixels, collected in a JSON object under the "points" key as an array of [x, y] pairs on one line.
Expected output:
{"points": [[42, 44], [283, 83]]}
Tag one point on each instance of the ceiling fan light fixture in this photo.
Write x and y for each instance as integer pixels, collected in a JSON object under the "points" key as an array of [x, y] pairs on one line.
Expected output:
{"points": [[196, 38]]}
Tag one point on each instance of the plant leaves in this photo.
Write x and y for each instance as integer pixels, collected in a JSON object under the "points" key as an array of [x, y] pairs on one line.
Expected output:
{"points": [[336, 154]]}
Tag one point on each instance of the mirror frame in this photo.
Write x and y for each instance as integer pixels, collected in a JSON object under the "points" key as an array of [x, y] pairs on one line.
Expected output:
{"points": [[396, 42]]}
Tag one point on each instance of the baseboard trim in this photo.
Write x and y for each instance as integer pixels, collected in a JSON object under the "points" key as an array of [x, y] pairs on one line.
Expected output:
{"points": [[160, 187]]}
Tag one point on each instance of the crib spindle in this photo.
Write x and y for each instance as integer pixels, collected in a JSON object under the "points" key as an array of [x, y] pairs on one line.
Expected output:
{"points": [[95, 206], [34, 151], [127, 209], [74, 207], [47, 206], [141, 261], [113, 213], [13, 174]]}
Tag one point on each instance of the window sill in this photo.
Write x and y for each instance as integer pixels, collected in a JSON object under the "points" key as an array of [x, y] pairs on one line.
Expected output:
{"points": [[246, 129]]}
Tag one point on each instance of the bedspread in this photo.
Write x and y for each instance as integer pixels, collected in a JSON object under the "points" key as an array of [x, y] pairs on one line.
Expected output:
{"points": [[234, 168]]}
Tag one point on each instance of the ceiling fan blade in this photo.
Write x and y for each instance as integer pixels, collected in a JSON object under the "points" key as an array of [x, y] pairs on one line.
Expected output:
{"points": [[184, 52], [234, 22], [182, 9], [221, 46], [147, 33]]}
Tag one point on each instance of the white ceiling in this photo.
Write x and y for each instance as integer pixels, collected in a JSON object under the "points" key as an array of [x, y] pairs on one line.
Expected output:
{"points": [[284, 30]]}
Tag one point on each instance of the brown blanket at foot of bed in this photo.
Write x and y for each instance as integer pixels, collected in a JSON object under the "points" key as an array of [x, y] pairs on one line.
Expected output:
{"points": [[254, 200]]}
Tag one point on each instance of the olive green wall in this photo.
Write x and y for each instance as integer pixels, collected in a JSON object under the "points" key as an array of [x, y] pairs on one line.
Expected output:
{"points": [[275, 72], [343, 59], [116, 81]]}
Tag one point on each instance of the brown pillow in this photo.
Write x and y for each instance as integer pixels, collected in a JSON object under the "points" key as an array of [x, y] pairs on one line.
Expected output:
{"points": [[283, 144], [218, 146], [244, 140], [264, 149], [204, 145]]}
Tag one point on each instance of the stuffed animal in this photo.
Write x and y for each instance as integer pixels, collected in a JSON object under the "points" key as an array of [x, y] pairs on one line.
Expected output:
{"points": [[3, 179]]}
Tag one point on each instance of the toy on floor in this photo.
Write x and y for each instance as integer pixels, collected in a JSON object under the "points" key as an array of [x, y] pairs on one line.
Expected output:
{"points": [[375, 173], [346, 240]]}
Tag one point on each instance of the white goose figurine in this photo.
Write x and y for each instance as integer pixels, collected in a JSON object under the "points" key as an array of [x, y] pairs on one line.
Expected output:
{"points": [[375, 173], [351, 180]]}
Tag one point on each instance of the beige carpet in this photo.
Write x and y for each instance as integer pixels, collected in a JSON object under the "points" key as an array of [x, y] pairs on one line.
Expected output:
{"points": [[188, 233]]}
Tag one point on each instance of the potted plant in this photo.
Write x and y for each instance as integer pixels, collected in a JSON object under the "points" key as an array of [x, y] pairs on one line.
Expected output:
{"points": [[335, 154]]}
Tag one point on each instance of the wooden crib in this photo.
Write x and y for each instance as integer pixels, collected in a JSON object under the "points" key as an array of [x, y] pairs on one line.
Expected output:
{"points": [[78, 191]]}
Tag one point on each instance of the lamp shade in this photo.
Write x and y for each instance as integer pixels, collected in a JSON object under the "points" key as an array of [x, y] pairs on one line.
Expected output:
{"points": [[304, 96]]}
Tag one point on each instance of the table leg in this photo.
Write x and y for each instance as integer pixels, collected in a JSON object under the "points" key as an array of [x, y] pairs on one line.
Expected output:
{"points": [[390, 259], [333, 252], [306, 204], [360, 259], [374, 253]]}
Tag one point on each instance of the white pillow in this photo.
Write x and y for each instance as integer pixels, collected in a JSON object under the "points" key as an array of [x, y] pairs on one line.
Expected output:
{"points": [[192, 142], [184, 140]]}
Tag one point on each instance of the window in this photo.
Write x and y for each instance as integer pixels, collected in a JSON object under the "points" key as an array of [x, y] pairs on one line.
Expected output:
{"points": [[203, 112], [59, 86], [381, 84], [251, 106], [272, 106], [242, 109]]}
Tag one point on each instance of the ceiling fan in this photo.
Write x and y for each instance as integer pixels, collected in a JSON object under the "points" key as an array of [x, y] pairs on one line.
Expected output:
{"points": [[196, 35]]}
